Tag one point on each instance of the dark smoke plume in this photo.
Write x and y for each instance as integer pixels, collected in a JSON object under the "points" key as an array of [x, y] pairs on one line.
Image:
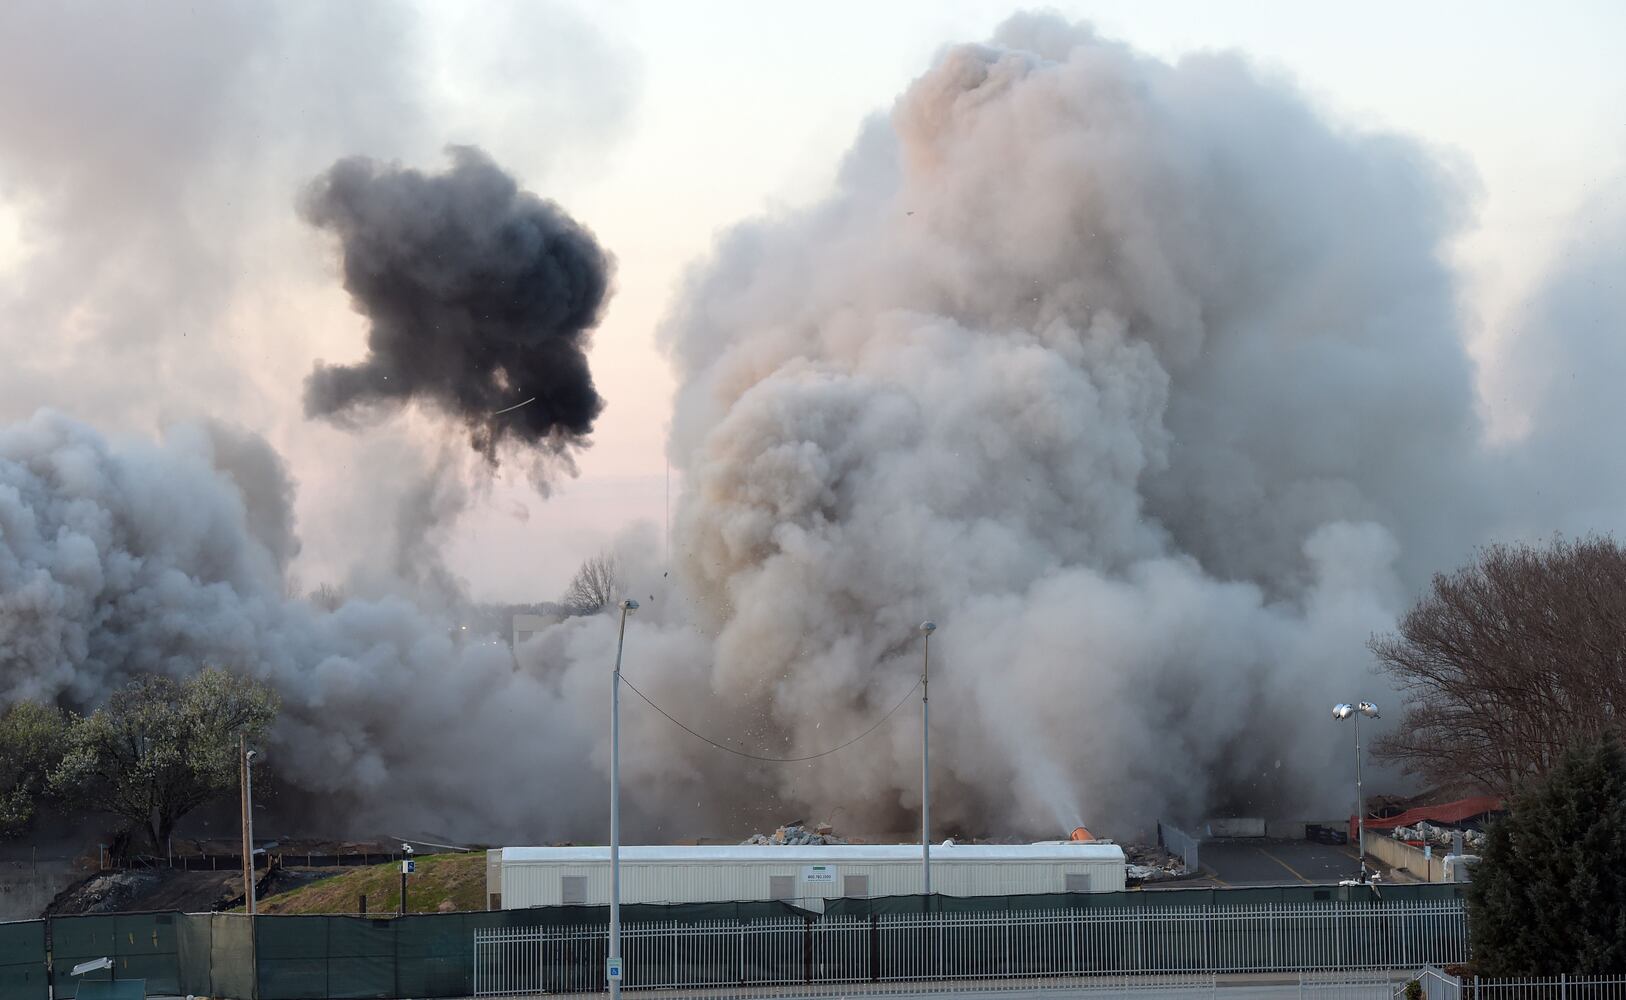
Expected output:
{"points": [[480, 296]]}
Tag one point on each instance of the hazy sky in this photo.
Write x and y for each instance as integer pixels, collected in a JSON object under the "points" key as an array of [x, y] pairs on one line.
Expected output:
{"points": [[152, 265]]}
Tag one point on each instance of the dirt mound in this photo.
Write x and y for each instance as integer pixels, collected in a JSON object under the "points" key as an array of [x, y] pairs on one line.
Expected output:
{"points": [[148, 890]]}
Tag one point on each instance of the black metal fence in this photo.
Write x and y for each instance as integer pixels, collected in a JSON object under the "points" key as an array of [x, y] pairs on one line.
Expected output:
{"points": [[275, 957]]}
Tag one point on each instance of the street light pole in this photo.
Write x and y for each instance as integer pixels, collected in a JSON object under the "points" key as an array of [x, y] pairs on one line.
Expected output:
{"points": [[627, 607], [1343, 711], [926, 630]]}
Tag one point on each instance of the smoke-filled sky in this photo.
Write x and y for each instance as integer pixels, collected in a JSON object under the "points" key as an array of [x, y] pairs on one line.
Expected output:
{"points": [[1160, 361], [147, 186]]}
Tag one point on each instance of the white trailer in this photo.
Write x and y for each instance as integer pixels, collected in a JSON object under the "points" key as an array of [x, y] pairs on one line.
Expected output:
{"points": [[518, 877]]}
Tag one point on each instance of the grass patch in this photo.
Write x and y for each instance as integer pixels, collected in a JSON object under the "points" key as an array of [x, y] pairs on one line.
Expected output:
{"points": [[460, 878]]}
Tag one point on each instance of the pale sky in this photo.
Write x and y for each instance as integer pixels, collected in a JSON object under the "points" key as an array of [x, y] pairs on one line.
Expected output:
{"points": [[732, 109]]}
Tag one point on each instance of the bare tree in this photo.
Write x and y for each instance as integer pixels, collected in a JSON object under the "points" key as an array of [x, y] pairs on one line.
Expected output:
{"points": [[595, 586], [1508, 661], [327, 597]]}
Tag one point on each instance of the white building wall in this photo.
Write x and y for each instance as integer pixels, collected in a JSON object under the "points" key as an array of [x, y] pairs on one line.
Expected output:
{"points": [[538, 881]]}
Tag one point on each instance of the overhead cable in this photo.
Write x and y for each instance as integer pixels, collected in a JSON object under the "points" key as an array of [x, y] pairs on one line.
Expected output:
{"points": [[774, 760]]}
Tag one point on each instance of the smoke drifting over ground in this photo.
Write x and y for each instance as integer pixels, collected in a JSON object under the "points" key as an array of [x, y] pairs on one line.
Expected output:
{"points": [[480, 296], [1143, 380], [118, 559]]}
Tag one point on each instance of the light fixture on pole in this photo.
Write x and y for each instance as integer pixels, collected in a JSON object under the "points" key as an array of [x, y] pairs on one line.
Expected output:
{"points": [[613, 969], [926, 630], [1344, 711], [408, 867]]}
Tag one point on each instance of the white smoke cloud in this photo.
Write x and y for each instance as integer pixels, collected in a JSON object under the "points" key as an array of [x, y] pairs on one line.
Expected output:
{"points": [[1131, 375]]}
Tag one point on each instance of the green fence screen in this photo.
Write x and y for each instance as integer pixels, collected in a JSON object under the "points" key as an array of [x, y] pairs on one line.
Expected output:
{"points": [[431, 955], [141, 945], [231, 955], [22, 961]]}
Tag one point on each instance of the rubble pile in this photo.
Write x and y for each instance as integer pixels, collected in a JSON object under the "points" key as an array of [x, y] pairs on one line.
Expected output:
{"points": [[110, 892], [1148, 863], [1428, 833], [793, 835]]}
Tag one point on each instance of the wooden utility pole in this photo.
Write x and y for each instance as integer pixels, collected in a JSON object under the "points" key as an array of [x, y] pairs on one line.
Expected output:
{"points": [[248, 822]]}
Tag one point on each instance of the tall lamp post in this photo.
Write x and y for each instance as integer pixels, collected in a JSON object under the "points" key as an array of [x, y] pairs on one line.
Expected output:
{"points": [[926, 630], [614, 971], [1343, 711]]}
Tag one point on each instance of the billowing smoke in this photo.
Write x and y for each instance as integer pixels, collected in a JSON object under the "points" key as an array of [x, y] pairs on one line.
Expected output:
{"points": [[118, 559], [1143, 380], [480, 297]]}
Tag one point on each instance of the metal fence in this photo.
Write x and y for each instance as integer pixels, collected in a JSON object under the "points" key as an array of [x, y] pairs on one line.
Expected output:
{"points": [[1437, 985], [994, 947], [1361, 984]]}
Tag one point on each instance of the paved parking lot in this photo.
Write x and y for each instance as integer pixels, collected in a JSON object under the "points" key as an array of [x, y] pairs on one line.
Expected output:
{"points": [[1274, 862]]}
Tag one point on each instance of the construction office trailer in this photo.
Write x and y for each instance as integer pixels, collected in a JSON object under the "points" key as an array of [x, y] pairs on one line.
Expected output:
{"points": [[806, 876]]}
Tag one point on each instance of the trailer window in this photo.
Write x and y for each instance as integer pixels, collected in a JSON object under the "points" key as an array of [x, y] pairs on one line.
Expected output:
{"points": [[782, 887], [855, 886], [573, 889], [1078, 882]]}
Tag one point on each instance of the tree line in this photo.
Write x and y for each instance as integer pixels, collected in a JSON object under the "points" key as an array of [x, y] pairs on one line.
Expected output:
{"points": [[1513, 670], [158, 749]]}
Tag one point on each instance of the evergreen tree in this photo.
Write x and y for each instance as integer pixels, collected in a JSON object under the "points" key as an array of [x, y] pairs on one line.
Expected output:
{"points": [[1549, 894]]}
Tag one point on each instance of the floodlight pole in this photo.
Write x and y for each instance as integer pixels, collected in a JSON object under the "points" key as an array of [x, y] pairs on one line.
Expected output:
{"points": [[1355, 711], [926, 630], [627, 607], [1360, 801]]}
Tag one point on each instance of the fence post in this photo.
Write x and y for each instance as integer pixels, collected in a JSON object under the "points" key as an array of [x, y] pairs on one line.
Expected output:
{"points": [[807, 950], [874, 947], [1140, 941], [1563, 986]]}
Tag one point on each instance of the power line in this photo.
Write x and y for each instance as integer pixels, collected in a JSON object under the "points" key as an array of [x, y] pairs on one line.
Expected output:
{"points": [[775, 760]]}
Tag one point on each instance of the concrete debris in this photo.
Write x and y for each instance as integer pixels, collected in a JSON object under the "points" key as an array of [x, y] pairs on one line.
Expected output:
{"points": [[1149, 863], [792, 835], [1439, 836]]}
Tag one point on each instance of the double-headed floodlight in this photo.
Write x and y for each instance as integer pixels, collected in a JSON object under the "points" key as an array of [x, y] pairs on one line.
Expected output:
{"points": [[613, 970], [926, 630], [1344, 710]]}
